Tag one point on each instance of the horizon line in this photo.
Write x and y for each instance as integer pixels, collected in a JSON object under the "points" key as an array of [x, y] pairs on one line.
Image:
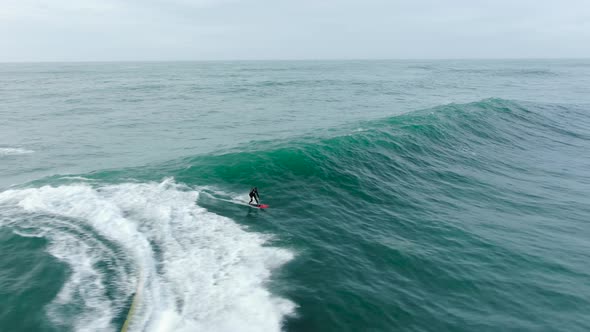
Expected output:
{"points": [[292, 60]]}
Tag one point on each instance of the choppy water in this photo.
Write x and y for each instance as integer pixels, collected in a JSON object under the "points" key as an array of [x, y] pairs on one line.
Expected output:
{"points": [[405, 196]]}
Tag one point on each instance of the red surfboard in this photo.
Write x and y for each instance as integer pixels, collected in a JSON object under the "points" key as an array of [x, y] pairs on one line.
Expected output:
{"points": [[260, 206]]}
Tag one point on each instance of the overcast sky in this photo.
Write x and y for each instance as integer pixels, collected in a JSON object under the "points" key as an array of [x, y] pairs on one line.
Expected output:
{"points": [[103, 30]]}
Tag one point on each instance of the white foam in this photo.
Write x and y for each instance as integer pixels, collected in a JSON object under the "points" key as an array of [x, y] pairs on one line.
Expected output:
{"points": [[200, 271], [14, 151], [85, 284], [240, 199], [79, 178]]}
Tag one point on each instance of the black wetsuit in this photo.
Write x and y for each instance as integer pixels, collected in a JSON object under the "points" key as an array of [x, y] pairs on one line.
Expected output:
{"points": [[254, 195]]}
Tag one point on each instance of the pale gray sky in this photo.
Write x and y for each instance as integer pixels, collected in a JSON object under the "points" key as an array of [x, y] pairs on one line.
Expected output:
{"points": [[104, 30]]}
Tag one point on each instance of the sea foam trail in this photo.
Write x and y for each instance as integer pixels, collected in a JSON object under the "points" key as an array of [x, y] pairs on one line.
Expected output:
{"points": [[14, 151], [199, 271]]}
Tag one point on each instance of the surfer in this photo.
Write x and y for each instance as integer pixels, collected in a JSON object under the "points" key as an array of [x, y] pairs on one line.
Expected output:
{"points": [[254, 195]]}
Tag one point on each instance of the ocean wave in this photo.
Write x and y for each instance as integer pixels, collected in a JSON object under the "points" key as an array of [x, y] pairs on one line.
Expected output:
{"points": [[194, 270], [401, 144]]}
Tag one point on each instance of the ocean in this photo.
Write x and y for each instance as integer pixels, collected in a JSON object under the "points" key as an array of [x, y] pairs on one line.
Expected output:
{"points": [[449, 195]]}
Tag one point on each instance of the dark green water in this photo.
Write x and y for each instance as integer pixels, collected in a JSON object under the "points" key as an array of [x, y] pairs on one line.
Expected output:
{"points": [[404, 196]]}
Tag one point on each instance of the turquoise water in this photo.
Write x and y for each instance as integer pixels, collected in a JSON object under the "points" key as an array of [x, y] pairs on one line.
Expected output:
{"points": [[404, 196]]}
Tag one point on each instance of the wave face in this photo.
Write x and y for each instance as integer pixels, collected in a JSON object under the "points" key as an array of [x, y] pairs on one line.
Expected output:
{"points": [[451, 140], [461, 217]]}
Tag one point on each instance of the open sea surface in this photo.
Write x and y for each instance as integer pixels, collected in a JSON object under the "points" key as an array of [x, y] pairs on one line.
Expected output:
{"points": [[418, 196]]}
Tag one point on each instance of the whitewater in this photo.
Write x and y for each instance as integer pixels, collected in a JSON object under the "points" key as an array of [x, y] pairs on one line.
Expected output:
{"points": [[160, 246]]}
